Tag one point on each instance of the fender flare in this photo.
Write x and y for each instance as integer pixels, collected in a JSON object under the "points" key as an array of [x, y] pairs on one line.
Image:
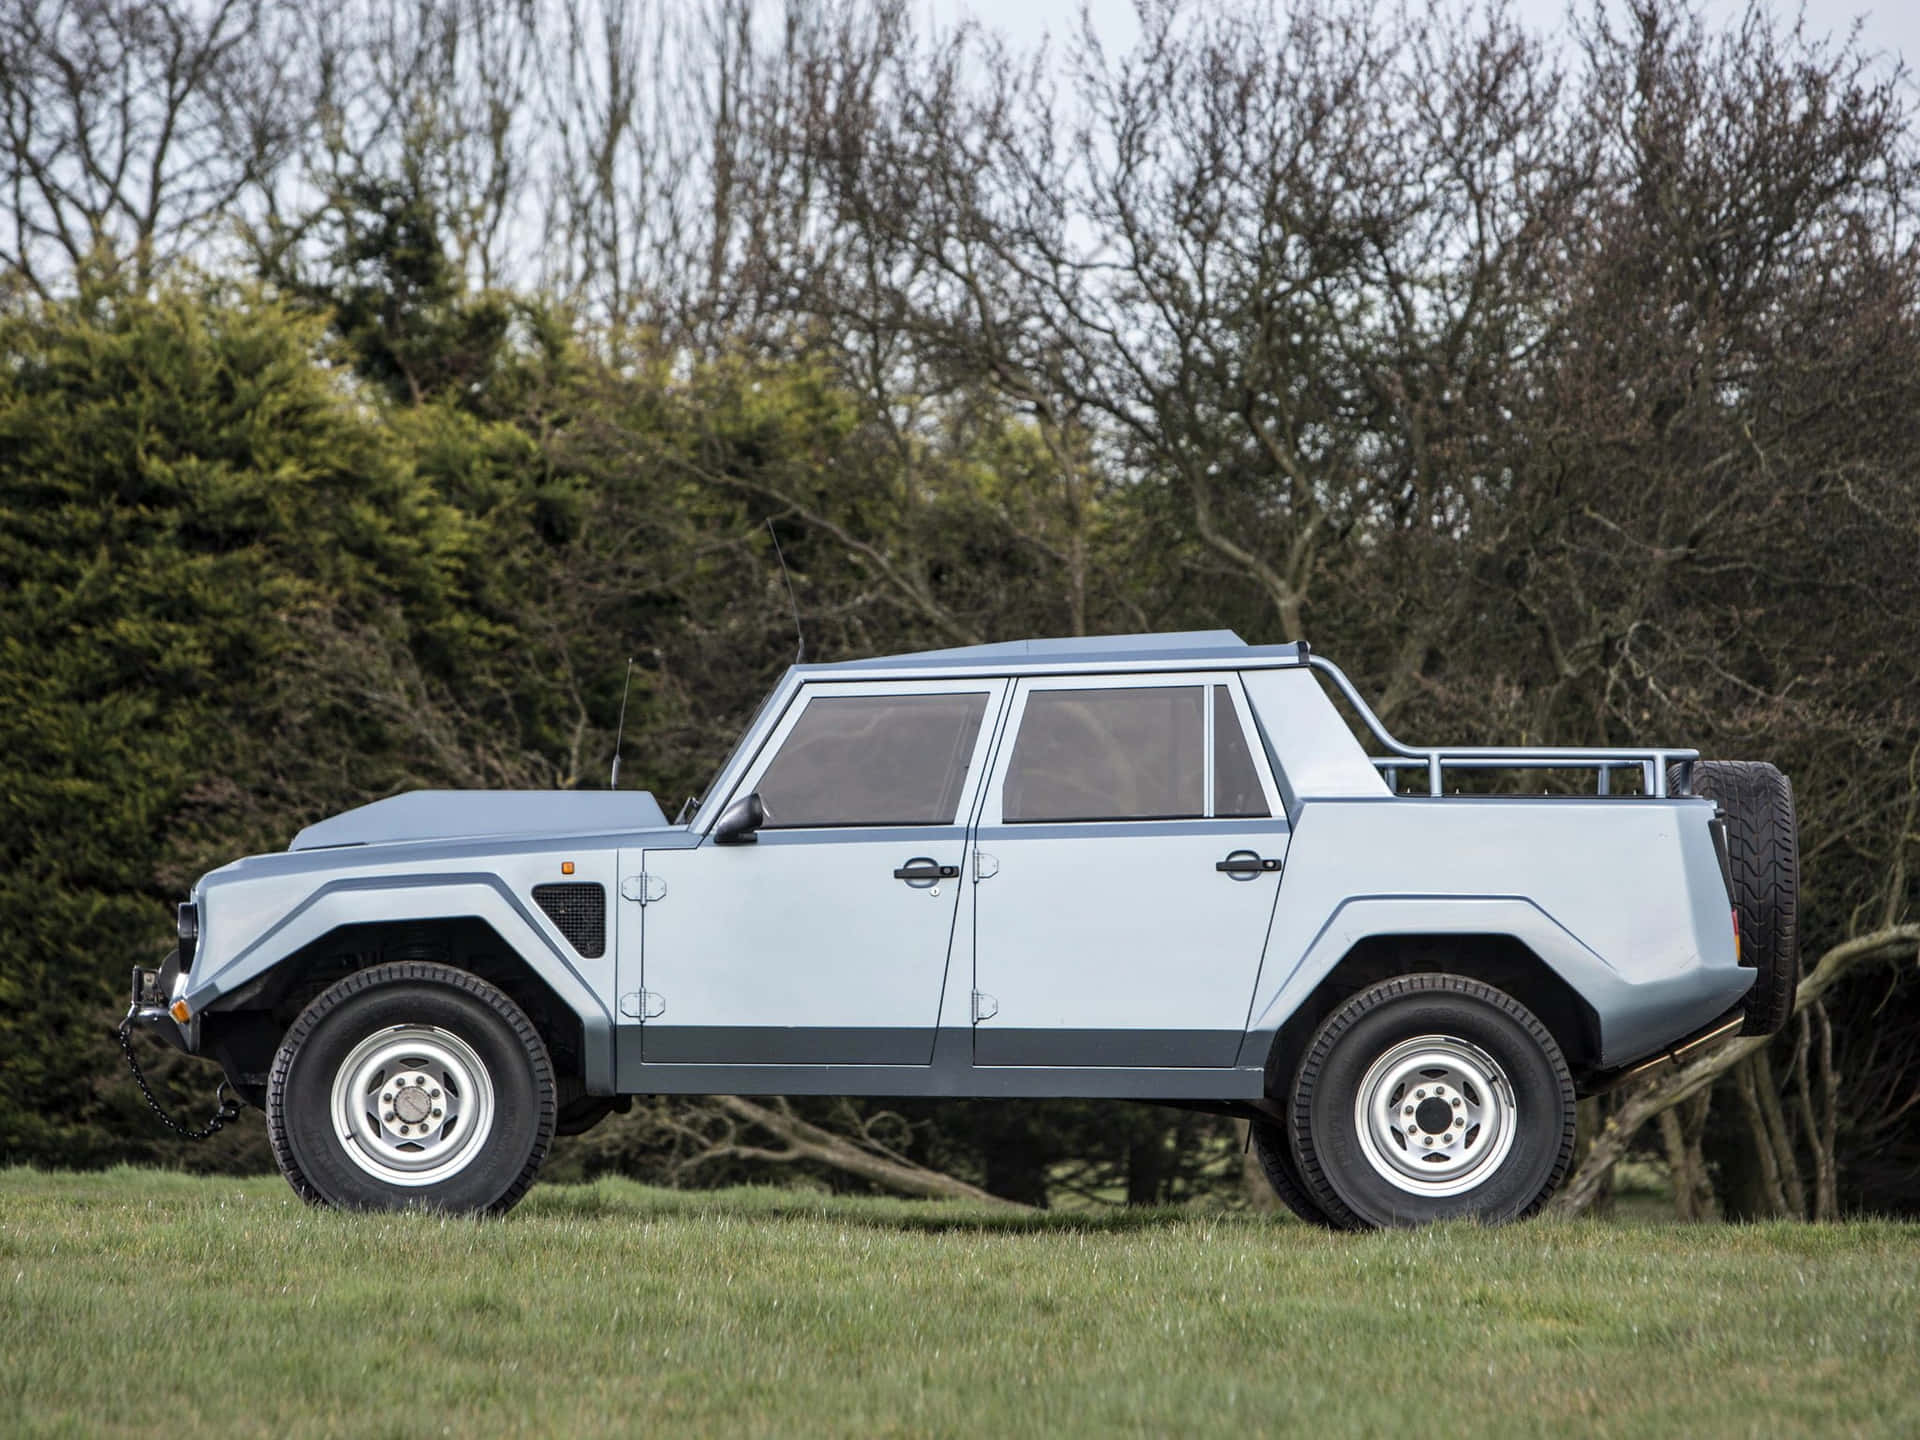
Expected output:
{"points": [[362, 900], [1372, 916]]}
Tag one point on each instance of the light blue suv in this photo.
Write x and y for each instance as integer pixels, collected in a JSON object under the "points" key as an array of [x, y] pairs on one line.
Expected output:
{"points": [[1152, 867]]}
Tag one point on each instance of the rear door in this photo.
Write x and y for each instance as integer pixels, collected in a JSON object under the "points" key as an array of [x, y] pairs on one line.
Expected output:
{"points": [[825, 941], [1129, 857]]}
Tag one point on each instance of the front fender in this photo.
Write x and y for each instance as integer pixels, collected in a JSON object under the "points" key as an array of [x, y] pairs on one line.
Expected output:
{"points": [[357, 900]]}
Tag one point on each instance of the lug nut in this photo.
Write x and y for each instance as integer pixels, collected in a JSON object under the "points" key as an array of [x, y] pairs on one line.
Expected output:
{"points": [[1457, 1102], [436, 1114], [433, 1094]]}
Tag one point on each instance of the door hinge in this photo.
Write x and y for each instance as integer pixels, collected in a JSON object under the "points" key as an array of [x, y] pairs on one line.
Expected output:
{"points": [[642, 1004], [985, 1007], [985, 867], [643, 887]]}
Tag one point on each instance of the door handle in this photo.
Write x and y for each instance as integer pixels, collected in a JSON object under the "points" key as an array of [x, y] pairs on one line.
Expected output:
{"points": [[925, 871], [1245, 864]]}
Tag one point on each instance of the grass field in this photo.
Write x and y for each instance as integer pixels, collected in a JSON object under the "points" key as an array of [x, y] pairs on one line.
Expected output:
{"points": [[158, 1304]]}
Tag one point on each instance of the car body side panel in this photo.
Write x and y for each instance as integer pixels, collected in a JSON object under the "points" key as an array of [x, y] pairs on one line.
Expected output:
{"points": [[1313, 753], [256, 913], [802, 946], [1120, 943], [1623, 898]]}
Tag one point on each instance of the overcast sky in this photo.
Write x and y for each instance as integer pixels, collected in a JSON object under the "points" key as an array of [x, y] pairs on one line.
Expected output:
{"points": [[1891, 26]]}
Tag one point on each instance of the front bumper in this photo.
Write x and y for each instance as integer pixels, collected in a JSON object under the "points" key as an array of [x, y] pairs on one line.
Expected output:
{"points": [[153, 992]]}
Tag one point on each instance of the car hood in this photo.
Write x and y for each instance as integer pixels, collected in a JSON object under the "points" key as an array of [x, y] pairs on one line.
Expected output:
{"points": [[462, 814]]}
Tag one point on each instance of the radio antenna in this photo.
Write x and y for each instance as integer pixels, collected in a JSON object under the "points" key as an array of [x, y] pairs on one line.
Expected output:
{"points": [[613, 780], [800, 654]]}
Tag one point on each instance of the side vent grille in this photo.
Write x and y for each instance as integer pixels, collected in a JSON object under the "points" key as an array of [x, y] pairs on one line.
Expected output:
{"points": [[580, 912]]}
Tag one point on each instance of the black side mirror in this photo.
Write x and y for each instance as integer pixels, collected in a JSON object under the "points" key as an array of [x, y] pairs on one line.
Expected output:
{"points": [[741, 822]]}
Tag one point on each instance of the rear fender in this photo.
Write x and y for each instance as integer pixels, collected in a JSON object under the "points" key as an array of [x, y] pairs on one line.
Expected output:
{"points": [[1371, 917]]}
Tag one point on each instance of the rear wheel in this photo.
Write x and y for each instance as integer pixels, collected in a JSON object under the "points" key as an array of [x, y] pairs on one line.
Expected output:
{"points": [[1431, 1097], [411, 1085]]}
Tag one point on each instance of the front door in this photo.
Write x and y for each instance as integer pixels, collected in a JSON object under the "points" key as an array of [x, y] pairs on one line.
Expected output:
{"points": [[826, 940], [1129, 859]]}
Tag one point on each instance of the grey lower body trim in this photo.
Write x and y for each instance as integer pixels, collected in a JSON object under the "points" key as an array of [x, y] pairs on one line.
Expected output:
{"points": [[597, 1055], [784, 1045], [952, 1073], [1155, 1049]]}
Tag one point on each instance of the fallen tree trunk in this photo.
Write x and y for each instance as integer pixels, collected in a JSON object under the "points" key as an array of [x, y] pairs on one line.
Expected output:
{"points": [[1666, 1088], [801, 1140]]}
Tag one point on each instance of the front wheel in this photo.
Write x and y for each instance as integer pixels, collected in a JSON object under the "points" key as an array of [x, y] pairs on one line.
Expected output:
{"points": [[1432, 1097], [411, 1085]]}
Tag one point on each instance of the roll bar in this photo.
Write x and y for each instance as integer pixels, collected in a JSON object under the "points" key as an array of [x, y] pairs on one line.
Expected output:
{"points": [[1436, 760]]}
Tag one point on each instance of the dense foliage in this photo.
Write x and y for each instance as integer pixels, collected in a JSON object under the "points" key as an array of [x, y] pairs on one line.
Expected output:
{"points": [[1562, 397]]}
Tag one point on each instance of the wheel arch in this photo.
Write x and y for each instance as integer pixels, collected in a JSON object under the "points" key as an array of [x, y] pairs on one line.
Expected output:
{"points": [[243, 1027], [1493, 957]]}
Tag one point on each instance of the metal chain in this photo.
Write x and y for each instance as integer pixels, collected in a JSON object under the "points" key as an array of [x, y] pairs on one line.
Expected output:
{"points": [[226, 1108]]}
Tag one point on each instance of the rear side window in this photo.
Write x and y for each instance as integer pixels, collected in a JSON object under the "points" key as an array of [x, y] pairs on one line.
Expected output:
{"points": [[873, 760], [1109, 754], [1236, 784]]}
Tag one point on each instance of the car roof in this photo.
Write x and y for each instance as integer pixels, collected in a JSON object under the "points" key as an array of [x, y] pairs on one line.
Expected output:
{"points": [[1185, 649]]}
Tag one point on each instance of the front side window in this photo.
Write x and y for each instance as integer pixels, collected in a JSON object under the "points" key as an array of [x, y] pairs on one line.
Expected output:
{"points": [[873, 760], [1109, 754]]}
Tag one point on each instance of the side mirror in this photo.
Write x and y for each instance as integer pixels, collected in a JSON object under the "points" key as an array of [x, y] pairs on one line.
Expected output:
{"points": [[741, 822]]}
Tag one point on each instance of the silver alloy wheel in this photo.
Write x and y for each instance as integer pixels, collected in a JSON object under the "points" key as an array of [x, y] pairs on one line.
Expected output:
{"points": [[412, 1104], [1435, 1115]]}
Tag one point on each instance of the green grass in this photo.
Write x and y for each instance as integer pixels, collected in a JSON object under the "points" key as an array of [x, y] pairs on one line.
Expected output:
{"points": [[158, 1304]]}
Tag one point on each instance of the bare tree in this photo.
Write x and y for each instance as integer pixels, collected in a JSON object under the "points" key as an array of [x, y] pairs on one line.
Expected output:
{"points": [[129, 129], [1657, 1096]]}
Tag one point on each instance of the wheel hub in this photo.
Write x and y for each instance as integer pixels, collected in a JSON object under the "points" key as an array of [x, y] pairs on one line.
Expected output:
{"points": [[1435, 1115], [412, 1104]]}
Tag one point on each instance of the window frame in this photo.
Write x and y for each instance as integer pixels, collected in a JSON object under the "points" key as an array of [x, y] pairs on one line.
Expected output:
{"points": [[994, 689], [993, 814]]}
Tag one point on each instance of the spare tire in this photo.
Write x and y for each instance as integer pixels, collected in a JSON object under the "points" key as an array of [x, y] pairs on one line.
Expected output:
{"points": [[1763, 854]]}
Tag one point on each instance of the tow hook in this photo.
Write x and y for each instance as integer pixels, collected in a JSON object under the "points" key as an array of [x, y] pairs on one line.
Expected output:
{"points": [[149, 1006]]}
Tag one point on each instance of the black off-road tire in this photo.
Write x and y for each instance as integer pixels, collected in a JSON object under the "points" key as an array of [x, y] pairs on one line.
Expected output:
{"points": [[1763, 853], [1325, 1135], [1275, 1153], [303, 1130]]}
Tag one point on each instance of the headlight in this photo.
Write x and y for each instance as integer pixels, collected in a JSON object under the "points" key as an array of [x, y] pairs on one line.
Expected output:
{"points": [[189, 929]]}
